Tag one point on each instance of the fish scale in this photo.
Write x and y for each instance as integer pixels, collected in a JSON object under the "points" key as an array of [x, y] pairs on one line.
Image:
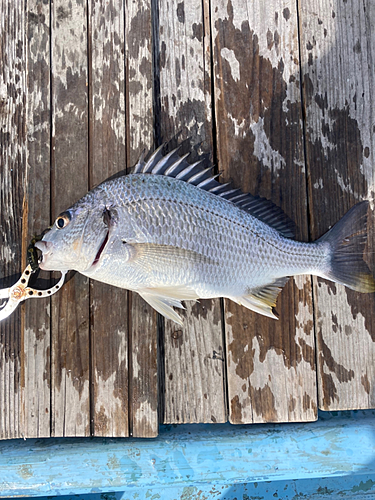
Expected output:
{"points": [[171, 232], [247, 254]]}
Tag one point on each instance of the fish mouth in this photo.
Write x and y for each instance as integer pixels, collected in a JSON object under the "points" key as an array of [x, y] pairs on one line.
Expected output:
{"points": [[45, 247], [101, 249]]}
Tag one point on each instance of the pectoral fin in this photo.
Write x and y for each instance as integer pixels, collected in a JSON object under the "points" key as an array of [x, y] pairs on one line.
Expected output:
{"points": [[150, 255], [263, 299]]}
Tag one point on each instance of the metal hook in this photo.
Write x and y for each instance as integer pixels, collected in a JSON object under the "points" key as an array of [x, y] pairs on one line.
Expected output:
{"points": [[20, 292]]}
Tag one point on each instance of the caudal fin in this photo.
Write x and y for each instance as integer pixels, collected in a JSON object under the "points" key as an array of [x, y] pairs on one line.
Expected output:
{"points": [[347, 240]]}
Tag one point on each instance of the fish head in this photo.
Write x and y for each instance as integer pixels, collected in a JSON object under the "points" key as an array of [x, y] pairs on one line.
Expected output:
{"points": [[77, 238]]}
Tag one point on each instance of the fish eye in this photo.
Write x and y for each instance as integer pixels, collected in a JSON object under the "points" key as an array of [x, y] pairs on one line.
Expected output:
{"points": [[63, 220]]}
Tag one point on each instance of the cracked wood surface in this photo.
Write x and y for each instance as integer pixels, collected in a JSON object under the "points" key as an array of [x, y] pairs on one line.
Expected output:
{"points": [[79, 101], [37, 330], [13, 182], [271, 364], [108, 325], [337, 48], [70, 345], [193, 376], [143, 355]]}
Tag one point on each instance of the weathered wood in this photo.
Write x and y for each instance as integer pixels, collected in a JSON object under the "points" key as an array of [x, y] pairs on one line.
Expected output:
{"points": [[87, 362], [337, 48], [70, 307], [271, 364], [13, 206], [109, 311], [143, 387], [37, 331], [193, 354]]}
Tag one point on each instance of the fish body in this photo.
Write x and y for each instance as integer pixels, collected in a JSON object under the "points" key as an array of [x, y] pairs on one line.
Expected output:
{"points": [[171, 232]]}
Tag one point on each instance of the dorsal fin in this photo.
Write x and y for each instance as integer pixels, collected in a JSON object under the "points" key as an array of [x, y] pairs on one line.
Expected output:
{"points": [[176, 166]]}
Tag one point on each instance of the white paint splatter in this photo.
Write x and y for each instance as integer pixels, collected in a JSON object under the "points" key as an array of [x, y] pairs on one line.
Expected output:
{"points": [[284, 383], [143, 413], [262, 148], [234, 64], [351, 346]]}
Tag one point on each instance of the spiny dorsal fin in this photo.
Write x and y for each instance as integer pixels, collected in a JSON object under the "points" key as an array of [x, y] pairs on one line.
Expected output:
{"points": [[176, 166]]}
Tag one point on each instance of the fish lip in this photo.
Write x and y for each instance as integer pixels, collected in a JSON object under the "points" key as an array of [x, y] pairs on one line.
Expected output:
{"points": [[46, 248]]}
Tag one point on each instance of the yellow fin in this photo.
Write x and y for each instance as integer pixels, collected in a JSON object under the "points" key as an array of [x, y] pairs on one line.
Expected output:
{"points": [[347, 240], [255, 305], [263, 299]]}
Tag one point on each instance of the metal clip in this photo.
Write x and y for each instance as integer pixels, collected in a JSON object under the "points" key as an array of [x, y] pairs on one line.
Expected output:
{"points": [[20, 292]]}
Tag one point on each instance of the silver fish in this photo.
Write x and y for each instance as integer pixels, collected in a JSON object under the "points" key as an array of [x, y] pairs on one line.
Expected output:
{"points": [[171, 232]]}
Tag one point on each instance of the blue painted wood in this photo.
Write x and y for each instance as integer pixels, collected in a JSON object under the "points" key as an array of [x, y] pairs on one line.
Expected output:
{"points": [[312, 489], [336, 453]]}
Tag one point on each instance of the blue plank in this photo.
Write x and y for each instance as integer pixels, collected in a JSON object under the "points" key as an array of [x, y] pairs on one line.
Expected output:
{"points": [[313, 489], [220, 461]]}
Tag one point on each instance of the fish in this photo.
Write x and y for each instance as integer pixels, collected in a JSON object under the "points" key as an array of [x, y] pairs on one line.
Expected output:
{"points": [[171, 231]]}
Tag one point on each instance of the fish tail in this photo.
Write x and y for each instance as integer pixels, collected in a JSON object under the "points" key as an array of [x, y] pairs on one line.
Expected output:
{"points": [[347, 240]]}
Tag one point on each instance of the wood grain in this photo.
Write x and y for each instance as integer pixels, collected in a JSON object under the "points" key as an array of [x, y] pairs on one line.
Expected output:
{"points": [[270, 364], [337, 52], [109, 305], [37, 327], [70, 307], [143, 356], [193, 377], [224, 74], [13, 206]]}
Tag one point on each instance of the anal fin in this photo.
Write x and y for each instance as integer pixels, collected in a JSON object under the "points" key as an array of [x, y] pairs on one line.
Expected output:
{"points": [[263, 299]]}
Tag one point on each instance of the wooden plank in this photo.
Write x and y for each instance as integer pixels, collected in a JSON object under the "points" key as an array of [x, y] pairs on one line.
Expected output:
{"points": [[143, 387], [193, 377], [338, 74], [37, 331], [109, 315], [270, 364], [70, 307], [13, 206]]}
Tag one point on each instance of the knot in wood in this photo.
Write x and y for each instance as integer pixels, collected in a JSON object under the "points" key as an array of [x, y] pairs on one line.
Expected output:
{"points": [[176, 334]]}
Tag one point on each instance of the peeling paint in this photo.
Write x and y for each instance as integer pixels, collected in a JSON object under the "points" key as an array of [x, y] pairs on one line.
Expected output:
{"points": [[198, 396], [142, 417], [342, 367], [230, 57], [263, 150]]}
